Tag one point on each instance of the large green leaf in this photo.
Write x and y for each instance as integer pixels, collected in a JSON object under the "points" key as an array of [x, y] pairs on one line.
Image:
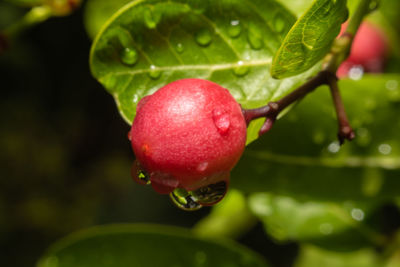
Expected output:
{"points": [[300, 156], [144, 245], [310, 38], [149, 43], [337, 226]]}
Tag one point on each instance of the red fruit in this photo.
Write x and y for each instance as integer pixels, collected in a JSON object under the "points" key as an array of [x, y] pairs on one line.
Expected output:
{"points": [[189, 134], [367, 51]]}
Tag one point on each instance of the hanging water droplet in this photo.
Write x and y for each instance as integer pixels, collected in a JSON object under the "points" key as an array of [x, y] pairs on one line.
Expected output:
{"points": [[179, 47], [279, 23], [129, 55], [235, 28], [139, 175], [241, 69], [149, 19], [221, 120], [203, 37], [254, 36], [184, 200], [154, 73], [211, 194]]}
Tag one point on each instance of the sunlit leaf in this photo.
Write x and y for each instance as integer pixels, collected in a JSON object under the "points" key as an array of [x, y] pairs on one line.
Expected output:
{"points": [[144, 245], [310, 38], [150, 43]]}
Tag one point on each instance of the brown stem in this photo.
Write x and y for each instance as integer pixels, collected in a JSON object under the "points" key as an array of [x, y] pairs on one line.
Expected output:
{"points": [[345, 130], [272, 109]]}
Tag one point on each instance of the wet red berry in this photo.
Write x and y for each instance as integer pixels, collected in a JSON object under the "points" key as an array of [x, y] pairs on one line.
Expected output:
{"points": [[189, 134]]}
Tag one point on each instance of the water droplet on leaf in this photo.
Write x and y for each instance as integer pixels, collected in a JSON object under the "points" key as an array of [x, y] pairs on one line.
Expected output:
{"points": [[241, 69], [179, 47], [154, 73], [149, 19], [254, 36], [221, 120], [234, 29], [279, 23], [109, 82], [211, 194], [129, 55], [203, 37]]}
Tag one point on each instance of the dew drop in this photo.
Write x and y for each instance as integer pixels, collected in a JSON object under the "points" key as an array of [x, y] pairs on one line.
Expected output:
{"points": [[234, 29], [129, 55], [203, 37], [202, 166], [184, 200], [254, 37], [279, 23], [179, 47], [241, 69], [149, 19], [154, 73], [210, 194], [221, 120], [356, 72], [139, 175]]}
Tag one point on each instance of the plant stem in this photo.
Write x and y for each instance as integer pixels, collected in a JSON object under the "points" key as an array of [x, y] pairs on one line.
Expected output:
{"points": [[339, 52]]}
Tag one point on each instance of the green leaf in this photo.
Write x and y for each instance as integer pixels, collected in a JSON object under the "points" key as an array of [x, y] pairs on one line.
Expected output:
{"points": [[150, 43], [297, 7], [310, 38], [300, 156], [144, 245], [336, 226], [97, 12], [313, 256]]}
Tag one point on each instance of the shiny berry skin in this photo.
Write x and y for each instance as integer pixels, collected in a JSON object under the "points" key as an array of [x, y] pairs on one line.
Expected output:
{"points": [[368, 50], [188, 134]]}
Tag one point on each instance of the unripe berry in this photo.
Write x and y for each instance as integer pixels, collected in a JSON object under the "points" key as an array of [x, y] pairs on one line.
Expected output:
{"points": [[189, 135], [368, 50]]}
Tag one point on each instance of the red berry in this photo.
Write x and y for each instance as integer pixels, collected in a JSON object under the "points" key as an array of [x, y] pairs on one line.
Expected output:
{"points": [[367, 51], [189, 134]]}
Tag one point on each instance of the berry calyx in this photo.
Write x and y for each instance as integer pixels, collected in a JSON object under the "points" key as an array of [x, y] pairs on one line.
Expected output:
{"points": [[187, 135], [368, 50]]}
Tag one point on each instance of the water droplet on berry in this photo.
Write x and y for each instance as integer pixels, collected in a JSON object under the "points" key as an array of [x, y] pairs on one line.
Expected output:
{"points": [[139, 175], [154, 73], [279, 23], [221, 120], [179, 47], [254, 36], [129, 55], [234, 29], [203, 37], [210, 194], [184, 200], [241, 69], [202, 166]]}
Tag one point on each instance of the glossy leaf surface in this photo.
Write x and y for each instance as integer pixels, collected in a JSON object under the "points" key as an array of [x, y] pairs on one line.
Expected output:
{"points": [[144, 245], [300, 156], [310, 39], [148, 44]]}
